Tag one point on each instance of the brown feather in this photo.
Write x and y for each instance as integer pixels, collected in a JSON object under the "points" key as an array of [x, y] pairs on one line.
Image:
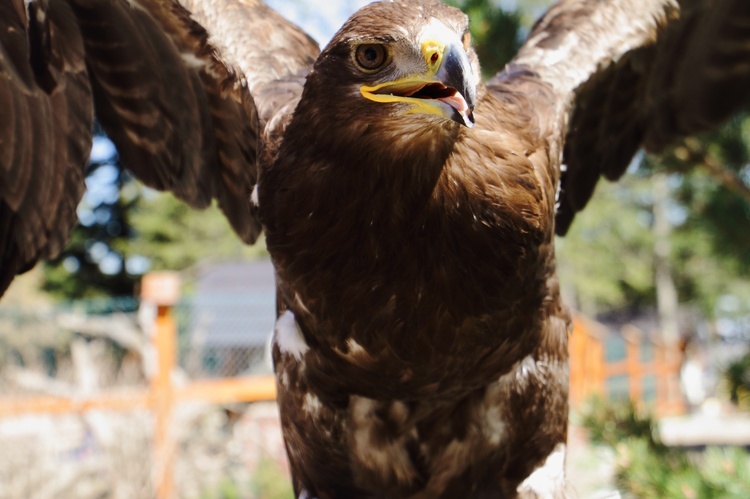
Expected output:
{"points": [[674, 73], [46, 101], [173, 98]]}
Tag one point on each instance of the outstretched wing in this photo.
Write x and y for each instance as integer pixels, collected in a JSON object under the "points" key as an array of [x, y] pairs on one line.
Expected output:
{"points": [[183, 89], [634, 73], [45, 132]]}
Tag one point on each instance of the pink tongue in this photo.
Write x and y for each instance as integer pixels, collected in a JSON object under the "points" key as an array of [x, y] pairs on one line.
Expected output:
{"points": [[456, 101]]}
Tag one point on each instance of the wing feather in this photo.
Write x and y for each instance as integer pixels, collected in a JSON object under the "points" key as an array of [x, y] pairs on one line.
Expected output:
{"points": [[255, 40], [174, 86], [171, 84], [631, 74], [46, 138]]}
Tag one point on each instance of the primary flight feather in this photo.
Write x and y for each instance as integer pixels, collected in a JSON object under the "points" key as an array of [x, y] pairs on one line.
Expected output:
{"points": [[409, 208]]}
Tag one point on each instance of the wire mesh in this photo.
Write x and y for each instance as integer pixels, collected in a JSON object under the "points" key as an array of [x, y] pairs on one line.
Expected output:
{"points": [[226, 334], [99, 353]]}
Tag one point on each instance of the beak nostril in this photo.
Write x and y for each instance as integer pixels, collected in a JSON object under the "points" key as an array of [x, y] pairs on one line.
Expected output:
{"points": [[434, 58]]}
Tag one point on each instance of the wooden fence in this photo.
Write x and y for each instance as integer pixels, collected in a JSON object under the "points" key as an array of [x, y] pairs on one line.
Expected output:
{"points": [[162, 394], [591, 372]]}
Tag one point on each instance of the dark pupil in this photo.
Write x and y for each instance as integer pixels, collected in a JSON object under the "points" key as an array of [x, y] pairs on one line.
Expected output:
{"points": [[371, 54]]}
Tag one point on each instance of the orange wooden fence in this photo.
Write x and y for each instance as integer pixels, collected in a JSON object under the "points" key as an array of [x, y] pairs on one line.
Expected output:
{"points": [[162, 393], [590, 370]]}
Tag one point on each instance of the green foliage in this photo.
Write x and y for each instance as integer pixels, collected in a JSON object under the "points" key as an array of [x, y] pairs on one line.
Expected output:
{"points": [[712, 245], [176, 236], [495, 33], [718, 473], [736, 380], [225, 489], [646, 468], [611, 423], [270, 483]]}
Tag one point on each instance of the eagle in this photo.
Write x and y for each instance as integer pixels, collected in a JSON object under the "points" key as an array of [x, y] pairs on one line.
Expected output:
{"points": [[409, 208]]}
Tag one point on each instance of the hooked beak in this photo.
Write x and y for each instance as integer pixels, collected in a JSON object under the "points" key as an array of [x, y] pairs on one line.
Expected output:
{"points": [[447, 89]]}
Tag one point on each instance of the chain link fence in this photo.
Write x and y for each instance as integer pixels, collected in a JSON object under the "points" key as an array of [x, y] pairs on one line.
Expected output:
{"points": [[225, 335]]}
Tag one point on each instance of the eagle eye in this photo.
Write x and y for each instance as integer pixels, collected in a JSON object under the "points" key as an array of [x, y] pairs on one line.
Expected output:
{"points": [[370, 56]]}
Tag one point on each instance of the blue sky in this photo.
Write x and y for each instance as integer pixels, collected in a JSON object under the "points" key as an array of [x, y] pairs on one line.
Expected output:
{"points": [[320, 18]]}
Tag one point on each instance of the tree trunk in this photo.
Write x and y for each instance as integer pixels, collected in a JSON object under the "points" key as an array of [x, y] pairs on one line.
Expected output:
{"points": [[666, 292]]}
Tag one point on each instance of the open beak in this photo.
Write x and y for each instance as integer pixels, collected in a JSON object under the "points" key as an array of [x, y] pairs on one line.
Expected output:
{"points": [[447, 89]]}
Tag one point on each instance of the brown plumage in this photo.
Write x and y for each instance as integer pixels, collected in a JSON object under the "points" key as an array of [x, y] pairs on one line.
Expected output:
{"points": [[421, 346]]}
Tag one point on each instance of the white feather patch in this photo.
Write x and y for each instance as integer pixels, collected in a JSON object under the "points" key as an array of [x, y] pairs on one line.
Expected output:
{"points": [[288, 336], [135, 4], [547, 481], [387, 458], [192, 61], [354, 347], [311, 404], [254, 196], [493, 425]]}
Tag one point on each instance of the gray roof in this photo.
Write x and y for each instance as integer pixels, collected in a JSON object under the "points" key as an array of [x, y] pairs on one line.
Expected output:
{"points": [[233, 305]]}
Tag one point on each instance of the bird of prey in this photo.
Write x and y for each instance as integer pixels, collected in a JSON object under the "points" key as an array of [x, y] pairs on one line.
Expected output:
{"points": [[409, 208]]}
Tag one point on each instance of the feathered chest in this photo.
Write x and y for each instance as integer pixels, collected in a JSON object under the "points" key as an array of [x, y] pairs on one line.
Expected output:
{"points": [[431, 261]]}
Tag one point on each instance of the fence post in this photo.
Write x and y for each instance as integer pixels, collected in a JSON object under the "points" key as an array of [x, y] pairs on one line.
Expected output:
{"points": [[632, 337], [598, 360], [587, 362], [162, 289], [669, 399], [577, 359]]}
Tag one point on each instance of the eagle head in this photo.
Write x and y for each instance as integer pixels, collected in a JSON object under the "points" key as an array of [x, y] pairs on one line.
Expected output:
{"points": [[400, 64]]}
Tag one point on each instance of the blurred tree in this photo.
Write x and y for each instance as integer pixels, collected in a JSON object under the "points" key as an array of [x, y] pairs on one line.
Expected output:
{"points": [[711, 196], [606, 260], [736, 382], [667, 302]]}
